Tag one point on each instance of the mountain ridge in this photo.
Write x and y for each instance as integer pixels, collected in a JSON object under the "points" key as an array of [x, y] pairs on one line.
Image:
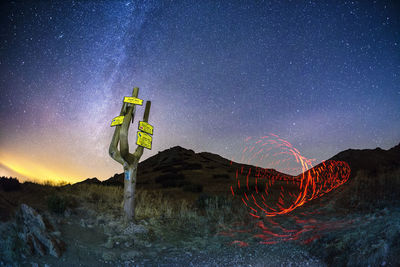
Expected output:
{"points": [[214, 172]]}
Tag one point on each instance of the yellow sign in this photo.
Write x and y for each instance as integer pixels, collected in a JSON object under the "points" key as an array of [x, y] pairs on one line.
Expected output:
{"points": [[145, 127], [144, 140], [133, 100], [117, 121]]}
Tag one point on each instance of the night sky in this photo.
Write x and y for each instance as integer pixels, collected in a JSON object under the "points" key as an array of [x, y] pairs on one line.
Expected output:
{"points": [[323, 75]]}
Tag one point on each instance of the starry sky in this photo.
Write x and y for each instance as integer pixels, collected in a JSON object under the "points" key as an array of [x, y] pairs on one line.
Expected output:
{"points": [[323, 75]]}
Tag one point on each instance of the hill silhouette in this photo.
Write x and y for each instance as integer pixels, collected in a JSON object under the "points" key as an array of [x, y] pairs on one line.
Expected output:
{"points": [[371, 160], [214, 172]]}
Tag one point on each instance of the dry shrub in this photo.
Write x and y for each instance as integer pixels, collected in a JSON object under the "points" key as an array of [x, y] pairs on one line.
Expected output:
{"points": [[209, 208], [371, 189], [9, 184], [52, 183], [195, 188], [56, 203], [156, 205], [101, 197], [221, 176]]}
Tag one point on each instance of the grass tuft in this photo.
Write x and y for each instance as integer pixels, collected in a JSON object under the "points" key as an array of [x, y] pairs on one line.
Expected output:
{"points": [[370, 190], [56, 203]]}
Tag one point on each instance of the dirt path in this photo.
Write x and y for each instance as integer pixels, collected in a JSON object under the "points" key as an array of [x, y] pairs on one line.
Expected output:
{"points": [[85, 247], [313, 238]]}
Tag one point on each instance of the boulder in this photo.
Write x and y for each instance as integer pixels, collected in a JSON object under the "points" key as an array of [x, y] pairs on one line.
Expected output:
{"points": [[109, 256], [133, 228], [38, 233], [130, 255]]}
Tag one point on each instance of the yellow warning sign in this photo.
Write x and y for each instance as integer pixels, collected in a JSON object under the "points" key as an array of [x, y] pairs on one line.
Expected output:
{"points": [[133, 100], [144, 140], [145, 127], [117, 121]]}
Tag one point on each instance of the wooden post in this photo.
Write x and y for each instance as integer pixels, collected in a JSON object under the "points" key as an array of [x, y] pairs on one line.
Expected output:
{"points": [[128, 160]]}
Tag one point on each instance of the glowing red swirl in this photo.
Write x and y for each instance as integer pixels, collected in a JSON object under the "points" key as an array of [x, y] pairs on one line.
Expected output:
{"points": [[268, 192]]}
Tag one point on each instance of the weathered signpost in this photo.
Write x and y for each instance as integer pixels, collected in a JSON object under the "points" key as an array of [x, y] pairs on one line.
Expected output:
{"points": [[128, 160]]}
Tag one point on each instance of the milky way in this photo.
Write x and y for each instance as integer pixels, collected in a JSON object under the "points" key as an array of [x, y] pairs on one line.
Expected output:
{"points": [[324, 75]]}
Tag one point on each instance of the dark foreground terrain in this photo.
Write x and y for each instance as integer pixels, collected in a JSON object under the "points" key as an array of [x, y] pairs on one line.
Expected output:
{"points": [[186, 216]]}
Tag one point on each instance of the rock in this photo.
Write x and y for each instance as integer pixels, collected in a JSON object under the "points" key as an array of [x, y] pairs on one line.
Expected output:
{"points": [[142, 243], [130, 255], [100, 221], [108, 256], [153, 254], [38, 233], [135, 229], [109, 243], [128, 244], [113, 224], [57, 233], [118, 239], [67, 213]]}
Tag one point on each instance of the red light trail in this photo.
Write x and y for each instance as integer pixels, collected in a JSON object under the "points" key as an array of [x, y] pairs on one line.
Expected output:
{"points": [[270, 231], [267, 192]]}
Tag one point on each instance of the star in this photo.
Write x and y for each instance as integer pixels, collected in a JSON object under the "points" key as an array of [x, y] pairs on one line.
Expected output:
{"points": [[321, 74]]}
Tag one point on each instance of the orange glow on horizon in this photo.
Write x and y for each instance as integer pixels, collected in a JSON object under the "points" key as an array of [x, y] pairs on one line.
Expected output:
{"points": [[32, 170]]}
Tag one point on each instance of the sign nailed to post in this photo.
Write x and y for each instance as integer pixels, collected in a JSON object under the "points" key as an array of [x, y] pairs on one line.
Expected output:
{"points": [[144, 140], [133, 100], [145, 127], [117, 121]]}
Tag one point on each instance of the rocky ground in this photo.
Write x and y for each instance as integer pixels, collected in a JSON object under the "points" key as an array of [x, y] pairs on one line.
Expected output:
{"points": [[312, 236]]}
